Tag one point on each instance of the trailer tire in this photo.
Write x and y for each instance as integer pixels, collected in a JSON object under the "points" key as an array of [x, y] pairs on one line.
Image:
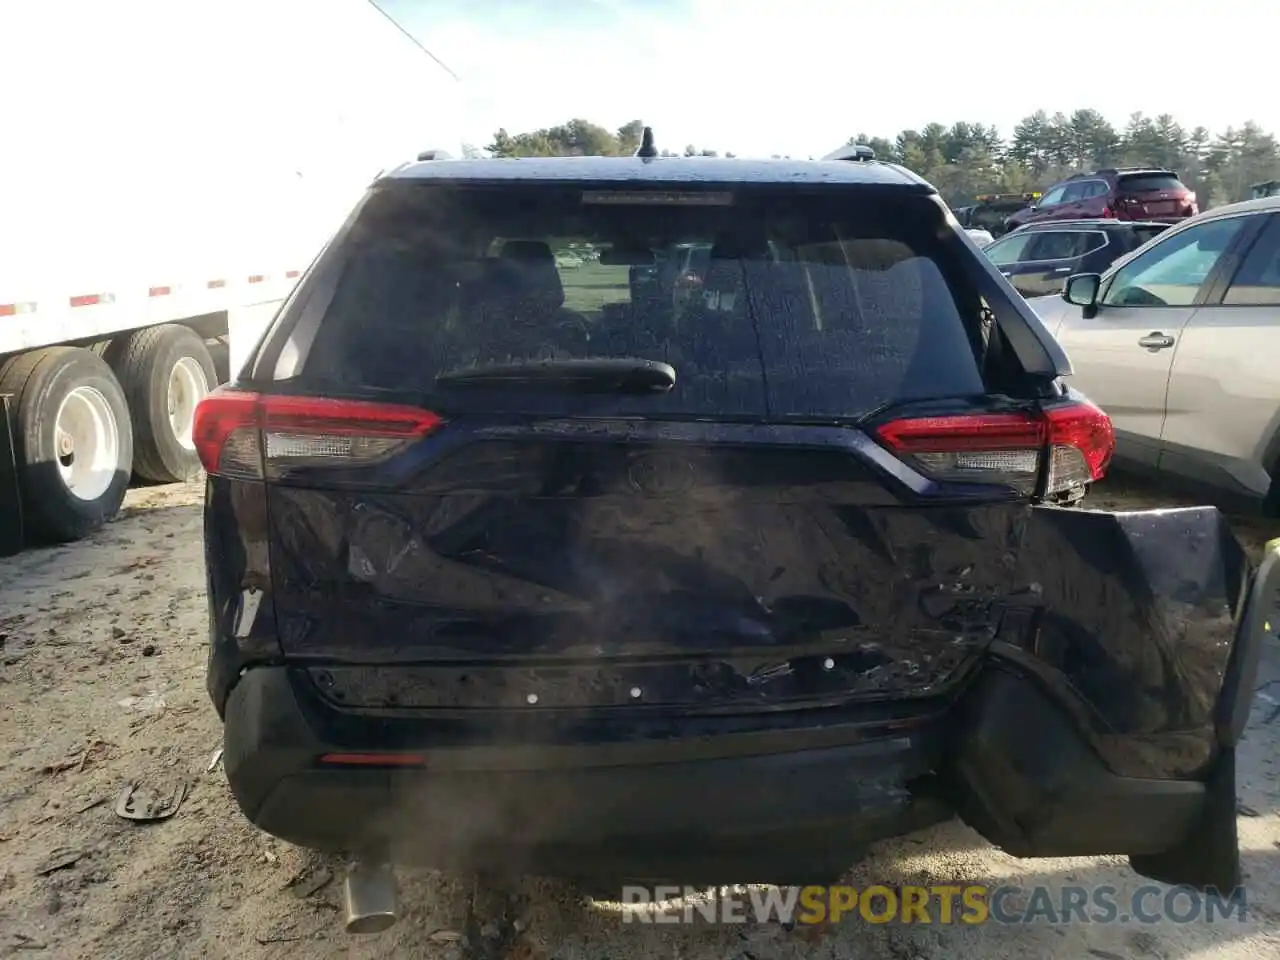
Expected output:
{"points": [[73, 440], [165, 371]]}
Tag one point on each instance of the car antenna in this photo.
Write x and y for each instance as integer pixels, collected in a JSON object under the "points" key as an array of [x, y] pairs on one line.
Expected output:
{"points": [[647, 149]]}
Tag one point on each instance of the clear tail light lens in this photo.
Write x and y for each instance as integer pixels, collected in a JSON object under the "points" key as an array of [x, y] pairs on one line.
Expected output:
{"points": [[251, 436], [1073, 443]]}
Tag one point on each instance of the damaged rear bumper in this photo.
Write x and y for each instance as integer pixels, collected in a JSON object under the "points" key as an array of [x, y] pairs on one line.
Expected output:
{"points": [[1040, 751], [1017, 770]]}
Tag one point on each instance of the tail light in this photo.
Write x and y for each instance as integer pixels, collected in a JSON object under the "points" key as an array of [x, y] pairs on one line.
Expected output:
{"points": [[1071, 443], [250, 436], [1109, 213]]}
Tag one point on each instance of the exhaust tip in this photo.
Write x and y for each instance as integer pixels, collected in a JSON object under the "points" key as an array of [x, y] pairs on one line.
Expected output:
{"points": [[369, 897], [370, 923]]}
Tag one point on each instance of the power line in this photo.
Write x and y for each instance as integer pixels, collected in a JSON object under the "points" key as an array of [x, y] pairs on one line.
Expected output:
{"points": [[414, 40]]}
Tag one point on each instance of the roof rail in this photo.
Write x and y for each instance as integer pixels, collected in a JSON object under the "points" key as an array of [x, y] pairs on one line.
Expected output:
{"points": [[852, 151], [1152, 167], [435, 155]]}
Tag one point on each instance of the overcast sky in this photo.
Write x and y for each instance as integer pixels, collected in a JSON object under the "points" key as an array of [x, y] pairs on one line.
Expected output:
{"points": [[800, 76]]}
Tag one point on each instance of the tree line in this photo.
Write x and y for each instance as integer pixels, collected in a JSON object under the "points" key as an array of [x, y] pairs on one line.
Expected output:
{"points": [[967, 159]]}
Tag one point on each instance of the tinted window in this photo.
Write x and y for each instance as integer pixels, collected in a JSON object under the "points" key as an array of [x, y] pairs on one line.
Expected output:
{"points": [[1171, 272], [1063, 244], [1096, 188], [1008, 250], [1149, 183], [784, 304], [1258, 281], [1144, 233]]}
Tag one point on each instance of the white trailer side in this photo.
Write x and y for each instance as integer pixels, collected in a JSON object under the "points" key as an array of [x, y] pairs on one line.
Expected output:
{"points": [[169, 169]]}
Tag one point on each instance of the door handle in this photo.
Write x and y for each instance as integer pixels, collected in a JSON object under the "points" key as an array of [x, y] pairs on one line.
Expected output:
{"points": [[1155, 340], [1062, 270]]}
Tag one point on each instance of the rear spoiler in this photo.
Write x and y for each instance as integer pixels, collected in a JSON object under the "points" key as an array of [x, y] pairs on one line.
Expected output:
{"points": [[852, 151]]}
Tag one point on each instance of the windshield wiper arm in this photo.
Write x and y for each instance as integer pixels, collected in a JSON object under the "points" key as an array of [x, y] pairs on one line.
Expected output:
{"points": [[601, 375]]}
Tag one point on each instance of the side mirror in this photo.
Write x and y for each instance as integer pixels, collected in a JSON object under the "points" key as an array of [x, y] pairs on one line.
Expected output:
{"points": [[1081, 290]]}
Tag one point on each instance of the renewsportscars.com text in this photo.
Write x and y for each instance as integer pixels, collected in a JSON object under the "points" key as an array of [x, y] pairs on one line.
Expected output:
{"points": [[969, 904]]}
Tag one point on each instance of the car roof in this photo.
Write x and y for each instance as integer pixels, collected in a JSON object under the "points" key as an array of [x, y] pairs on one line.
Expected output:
{"points": [[1112, 173], [1091, 222], [664, 170]]}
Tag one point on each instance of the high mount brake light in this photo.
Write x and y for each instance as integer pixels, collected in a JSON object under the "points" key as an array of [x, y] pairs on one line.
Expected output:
{"points": [[1008, 449], [250, 435]]}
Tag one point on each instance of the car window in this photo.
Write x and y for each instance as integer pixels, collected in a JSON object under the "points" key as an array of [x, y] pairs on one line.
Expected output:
{"points": [[1075, 192], [1096, 188], [805, 306], [1008, 250], [1171, 272], [1149, 183], [1258, 281], [1063, 244], [1148, 232], [1054, 196]]}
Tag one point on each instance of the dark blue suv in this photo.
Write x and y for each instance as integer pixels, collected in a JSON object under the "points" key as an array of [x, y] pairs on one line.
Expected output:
{"points": [[513, 565]]}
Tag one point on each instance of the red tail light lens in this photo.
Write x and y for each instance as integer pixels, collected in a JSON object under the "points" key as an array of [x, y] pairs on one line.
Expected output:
{"points": [[250, 435], [1074, 440], [1081, 442]]}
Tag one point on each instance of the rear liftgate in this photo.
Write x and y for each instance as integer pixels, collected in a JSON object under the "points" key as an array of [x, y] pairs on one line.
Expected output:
{"points": [[536, 570]]}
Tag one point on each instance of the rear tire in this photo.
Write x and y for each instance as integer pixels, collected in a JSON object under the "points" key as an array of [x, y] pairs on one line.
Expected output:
{"points": [[73, 439], [165, 371]]}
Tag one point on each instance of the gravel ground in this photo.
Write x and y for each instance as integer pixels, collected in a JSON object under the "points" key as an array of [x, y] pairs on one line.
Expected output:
{"points": [[102, 648]]}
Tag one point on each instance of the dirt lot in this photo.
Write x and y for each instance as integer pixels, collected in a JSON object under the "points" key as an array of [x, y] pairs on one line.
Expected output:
{"points": [[102, 648]]}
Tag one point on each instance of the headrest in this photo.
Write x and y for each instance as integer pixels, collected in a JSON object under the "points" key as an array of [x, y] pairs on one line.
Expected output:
{"points": [[526, 271]]}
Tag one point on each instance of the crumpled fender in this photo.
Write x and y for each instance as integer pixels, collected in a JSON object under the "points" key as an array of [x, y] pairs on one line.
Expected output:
{"points": [[1259, 624], [1136, 618]]}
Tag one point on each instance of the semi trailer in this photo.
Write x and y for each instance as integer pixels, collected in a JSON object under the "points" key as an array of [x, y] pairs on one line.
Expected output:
{"points": [[168, 172]]}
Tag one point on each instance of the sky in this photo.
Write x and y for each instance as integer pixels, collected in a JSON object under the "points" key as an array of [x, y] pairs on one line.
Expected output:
{"points": [[800, 77]]}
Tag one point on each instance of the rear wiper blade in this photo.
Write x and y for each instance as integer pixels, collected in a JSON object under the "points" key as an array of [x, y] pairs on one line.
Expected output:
{"points": [[600, 375]]}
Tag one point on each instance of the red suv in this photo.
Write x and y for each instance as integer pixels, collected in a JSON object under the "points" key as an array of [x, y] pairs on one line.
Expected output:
{"points": [[1121, 194]]}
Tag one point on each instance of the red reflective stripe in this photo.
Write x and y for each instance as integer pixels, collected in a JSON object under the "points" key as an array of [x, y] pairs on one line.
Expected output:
{"points": [[216, 284], [257, 278], [8, 309], [290, 274], [159, 292], [90, 299]]}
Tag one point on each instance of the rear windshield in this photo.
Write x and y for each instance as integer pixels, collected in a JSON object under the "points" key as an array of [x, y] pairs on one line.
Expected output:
{"points": [[1149, 183], [786, 305]]}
